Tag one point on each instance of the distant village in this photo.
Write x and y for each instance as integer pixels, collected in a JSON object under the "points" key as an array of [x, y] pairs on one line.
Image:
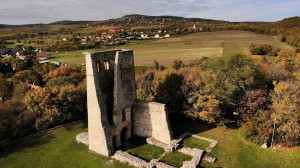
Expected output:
{"points": [[110, 37]]}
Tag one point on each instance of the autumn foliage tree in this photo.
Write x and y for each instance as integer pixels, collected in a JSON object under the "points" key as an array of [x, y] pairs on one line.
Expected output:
{"points": [[4, 88], [56, 105], [233, 75], [200, 103], [252, 102], [65, 75], [286, 107]]}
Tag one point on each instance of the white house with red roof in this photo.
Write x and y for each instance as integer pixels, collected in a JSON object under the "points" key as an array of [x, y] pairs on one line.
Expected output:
{"points": [[42, 55]]}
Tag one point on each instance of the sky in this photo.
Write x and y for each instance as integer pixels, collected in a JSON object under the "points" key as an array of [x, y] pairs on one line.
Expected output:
{"points": [[46, 11]]}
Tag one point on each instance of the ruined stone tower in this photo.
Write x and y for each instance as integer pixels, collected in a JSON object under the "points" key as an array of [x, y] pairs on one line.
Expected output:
{"points": [[113, 110]]}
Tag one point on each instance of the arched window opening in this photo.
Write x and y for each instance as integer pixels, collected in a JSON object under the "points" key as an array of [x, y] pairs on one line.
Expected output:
{"points": [[123, 115], [106, 65], [98, 66], [124, 135], [115, 142]]}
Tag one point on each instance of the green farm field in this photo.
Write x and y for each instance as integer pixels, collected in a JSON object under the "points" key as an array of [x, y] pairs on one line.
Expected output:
{"points": [[186, 48]]}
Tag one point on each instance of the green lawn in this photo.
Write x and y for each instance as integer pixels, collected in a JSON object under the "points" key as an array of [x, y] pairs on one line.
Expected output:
{"points": [[196, 143], [175, 158], [57, 148], [71, 58], [233, 151], [147, 152]]}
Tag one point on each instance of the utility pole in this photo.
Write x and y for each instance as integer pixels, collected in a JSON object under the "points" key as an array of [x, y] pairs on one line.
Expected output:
{"points": [[273, 131]]}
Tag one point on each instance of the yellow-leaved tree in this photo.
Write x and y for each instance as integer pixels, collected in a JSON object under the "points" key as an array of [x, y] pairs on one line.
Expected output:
{"points": [[286, 106]]}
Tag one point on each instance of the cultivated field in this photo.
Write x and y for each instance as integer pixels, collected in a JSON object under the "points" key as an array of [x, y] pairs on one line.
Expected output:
{"points": [[186, 48]]}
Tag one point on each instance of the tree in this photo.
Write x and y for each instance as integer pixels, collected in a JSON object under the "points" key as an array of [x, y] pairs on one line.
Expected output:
{"points": [[286, 107], [285, 55], [167, 89], [56, 105], [252, 102], [177, 64], [4, 86], [258, 130], [200, 102], [206, 108], [155, 66], [234, 74], [28, 77], [145, 87], [67, 71]]}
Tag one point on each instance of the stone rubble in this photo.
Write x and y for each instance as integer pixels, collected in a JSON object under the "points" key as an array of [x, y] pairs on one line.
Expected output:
{"points": [[83, 138], [210, 159]]}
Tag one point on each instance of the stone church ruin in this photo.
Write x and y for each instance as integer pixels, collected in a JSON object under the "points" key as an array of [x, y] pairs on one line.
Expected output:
{"points": [[114, 113]]}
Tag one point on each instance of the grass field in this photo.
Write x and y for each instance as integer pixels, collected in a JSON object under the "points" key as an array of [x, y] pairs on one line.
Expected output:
{"points": [[186, 48], [58, 148], [71, 58], [147, 152], [175, 158], [196, 143]]}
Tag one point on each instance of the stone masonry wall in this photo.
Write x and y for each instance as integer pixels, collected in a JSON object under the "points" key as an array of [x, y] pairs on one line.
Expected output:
{"points": [[141, 119], [97, 137], [151, 120], [109, 102], [112, 107], [161, 129]]}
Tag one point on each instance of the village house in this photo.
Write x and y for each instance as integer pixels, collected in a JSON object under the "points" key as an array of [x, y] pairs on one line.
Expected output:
{"points": [[144, 36], [33, 87], [98, 39], [167, 35], [21, 57], [65, 39], [42, 55], [156, 36], [18, 54], [85, 41]]}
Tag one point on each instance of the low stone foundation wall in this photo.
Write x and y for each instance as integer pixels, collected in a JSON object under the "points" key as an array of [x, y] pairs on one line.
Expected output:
{"points": [[211, 146], [167, 147], [132, 160], [197, 155], [163, 165], [138, 162]]}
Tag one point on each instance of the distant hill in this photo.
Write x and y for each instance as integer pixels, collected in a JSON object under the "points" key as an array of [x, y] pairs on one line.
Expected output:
{"points": [[291, 22], [136, 19], [125, 20]]}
